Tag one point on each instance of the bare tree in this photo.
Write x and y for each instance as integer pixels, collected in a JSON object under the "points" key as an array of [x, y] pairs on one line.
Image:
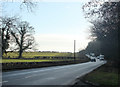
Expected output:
{"points": [[6, 24], [24, 4], [22, 34], [29, 4]]}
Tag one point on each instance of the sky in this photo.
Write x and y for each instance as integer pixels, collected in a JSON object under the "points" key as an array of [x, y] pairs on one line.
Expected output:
{"points": [[57, 24]]}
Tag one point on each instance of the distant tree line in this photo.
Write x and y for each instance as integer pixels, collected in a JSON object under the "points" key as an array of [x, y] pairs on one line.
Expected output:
{"points": [[105, 19]]}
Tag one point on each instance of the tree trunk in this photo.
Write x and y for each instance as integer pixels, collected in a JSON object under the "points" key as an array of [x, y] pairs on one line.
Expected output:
{"points": [[21, 47], [1, 51], [2, 42], [20, 54]]}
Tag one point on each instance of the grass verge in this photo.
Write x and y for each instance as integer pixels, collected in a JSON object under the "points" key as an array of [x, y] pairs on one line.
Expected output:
{"points": [[103, 76]]}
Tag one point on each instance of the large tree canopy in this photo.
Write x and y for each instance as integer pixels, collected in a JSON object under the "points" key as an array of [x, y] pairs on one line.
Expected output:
{"points": [[105, 20]]}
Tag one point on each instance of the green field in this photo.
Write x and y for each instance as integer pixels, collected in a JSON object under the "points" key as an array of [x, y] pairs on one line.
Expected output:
{"points": [[34, 54], [22, 60]]}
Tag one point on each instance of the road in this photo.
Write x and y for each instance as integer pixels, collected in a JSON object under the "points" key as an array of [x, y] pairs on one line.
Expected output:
{"points": [[56, 75]]}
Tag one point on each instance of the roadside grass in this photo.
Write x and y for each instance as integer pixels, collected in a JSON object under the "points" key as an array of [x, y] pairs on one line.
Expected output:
{"points": [[34, 54], [104, 75], [103, 78]]}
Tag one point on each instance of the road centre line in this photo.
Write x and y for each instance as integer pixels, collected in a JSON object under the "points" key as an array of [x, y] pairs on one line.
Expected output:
{"points": [[34, 75], [3, 81]]}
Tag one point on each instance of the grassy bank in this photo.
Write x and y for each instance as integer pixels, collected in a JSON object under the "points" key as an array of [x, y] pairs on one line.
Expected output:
{"points": [[105, 75]]}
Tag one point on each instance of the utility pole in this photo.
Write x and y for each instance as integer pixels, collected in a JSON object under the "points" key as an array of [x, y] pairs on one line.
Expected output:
{"points": [[74, 48]]}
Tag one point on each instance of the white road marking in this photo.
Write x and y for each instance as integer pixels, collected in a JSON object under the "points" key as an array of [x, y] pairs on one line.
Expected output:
{"points": [[30, 76], [34, 75], [4, 81], [50, 78]]}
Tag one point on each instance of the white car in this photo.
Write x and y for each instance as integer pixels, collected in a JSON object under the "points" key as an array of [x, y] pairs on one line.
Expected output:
{"points": [[101, 57]]}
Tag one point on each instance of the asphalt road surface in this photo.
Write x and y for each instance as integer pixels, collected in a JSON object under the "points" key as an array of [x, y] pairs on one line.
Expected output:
{"points": [[56, 75]]}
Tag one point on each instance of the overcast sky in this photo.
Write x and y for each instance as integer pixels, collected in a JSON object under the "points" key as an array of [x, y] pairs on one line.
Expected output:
{"points": [[57, 24]]}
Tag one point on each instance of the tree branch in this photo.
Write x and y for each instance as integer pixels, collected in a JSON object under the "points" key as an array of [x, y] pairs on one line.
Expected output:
{"points": [[15, 37]]}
